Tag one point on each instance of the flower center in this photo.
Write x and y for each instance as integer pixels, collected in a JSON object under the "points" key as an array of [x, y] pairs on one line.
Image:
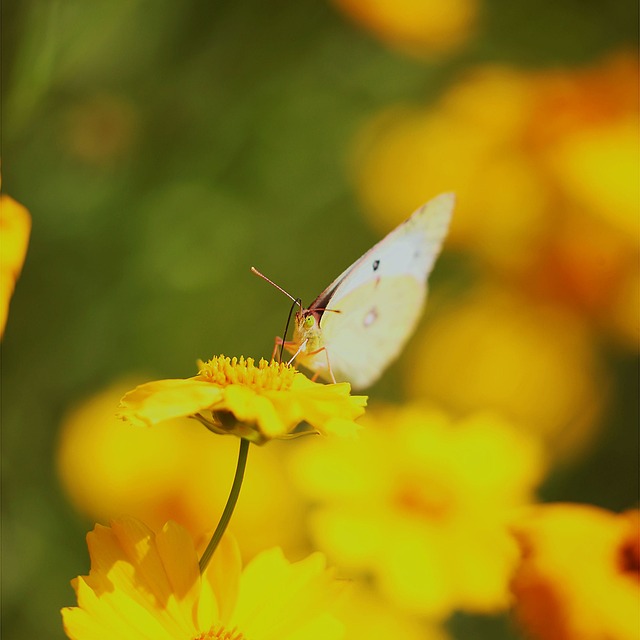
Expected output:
{"points": [[423, 500], [630, 557], [267, 376], [219, 633]]}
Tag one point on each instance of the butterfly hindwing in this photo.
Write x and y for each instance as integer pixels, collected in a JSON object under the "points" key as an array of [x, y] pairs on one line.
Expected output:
{"points": [[368, 313], [375, 321]]}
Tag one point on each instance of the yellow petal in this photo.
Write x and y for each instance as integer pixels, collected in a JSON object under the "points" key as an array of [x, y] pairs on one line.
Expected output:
{"points": [[15, 225], [573, 581], [223, 577], [180, 563], [300, 589], [161, 400], [252, 408], [116, 613]]}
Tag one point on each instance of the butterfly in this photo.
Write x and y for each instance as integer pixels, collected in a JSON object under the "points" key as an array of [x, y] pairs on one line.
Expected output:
{"points": [[360, 323]]}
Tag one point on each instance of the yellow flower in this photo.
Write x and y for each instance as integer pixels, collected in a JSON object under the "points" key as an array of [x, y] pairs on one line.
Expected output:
{"points": [[536, 365], [146, 585], [421, 504], [417, 27], [367, 616], [171, 473], [468, 142], [15, 226], [257, 403], [579, 577]]}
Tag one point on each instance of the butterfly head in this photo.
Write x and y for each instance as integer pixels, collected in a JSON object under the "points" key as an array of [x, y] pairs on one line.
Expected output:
{"points": [[308, 329]]}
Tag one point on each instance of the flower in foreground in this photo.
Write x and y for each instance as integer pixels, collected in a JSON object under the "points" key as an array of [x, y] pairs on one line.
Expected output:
{"points": [[147, 586], [422, 504], [580, 573], [15, 226], [255, 402]]}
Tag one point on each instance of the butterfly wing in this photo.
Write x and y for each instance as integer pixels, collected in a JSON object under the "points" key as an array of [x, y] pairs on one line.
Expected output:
{"points": [[380, 298]]}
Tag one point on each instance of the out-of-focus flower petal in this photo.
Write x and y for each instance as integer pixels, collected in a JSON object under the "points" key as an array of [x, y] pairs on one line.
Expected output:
{"points": [[579, 575]]}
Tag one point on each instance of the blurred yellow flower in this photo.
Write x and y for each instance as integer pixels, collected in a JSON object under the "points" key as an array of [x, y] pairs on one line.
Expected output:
{"points": [[172, 473], [417, 27], [533, 364], [585, 128], [469, 142], [545, 169], [623, 315], [579, 575], [584, 131], [146, 585], [421, 504], [15, 226], [591, 267], [368, 616], [257, 403]]}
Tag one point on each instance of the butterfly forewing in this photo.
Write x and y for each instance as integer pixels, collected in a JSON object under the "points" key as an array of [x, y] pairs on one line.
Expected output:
{"points": [[409, 250]]}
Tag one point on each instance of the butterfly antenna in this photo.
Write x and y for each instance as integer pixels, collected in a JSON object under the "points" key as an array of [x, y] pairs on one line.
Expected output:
{"points": [[295, 300], [298, 302]]}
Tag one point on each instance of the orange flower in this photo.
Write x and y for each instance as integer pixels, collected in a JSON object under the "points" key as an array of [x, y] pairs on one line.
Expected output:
{"points": [[579, 576]]}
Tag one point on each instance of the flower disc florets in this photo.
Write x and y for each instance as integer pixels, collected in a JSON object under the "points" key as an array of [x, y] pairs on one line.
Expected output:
{"points": [[267, 376]]}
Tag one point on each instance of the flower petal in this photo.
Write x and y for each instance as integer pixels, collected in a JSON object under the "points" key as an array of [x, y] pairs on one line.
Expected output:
{"points": [[161, 400], [223, 577]]}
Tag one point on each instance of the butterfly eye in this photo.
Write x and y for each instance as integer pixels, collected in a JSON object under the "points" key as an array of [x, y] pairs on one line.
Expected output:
{"points": [[309, 321]]}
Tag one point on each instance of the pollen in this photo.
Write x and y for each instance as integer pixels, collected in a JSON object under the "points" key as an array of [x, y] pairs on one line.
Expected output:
{"points": [[427, 501], [266, 376], [220, 633]]}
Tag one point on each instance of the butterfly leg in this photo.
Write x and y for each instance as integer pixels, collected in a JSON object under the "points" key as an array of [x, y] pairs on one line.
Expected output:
{"points": [[289, 346], [326, 354], [278, 343]]}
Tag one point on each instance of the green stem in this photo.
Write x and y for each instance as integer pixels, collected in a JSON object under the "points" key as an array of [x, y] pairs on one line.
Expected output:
{"points": [[229, 507]]}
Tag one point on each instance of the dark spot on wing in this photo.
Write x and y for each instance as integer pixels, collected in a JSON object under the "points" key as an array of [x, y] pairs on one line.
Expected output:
{"points": [[370, 317], [376, 264]]}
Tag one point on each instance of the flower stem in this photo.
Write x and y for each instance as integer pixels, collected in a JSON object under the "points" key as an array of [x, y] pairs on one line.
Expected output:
{"points": [[229, 507]]}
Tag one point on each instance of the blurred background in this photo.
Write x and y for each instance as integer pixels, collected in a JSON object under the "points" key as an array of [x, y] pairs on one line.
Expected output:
{"points": [[164, 148]]}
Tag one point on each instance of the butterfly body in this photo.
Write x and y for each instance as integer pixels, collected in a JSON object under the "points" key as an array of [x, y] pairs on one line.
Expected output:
{"points": [[359, 324]]}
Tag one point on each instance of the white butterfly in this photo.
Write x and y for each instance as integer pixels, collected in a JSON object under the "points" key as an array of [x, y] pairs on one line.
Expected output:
{"points": [[359, 324]]}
